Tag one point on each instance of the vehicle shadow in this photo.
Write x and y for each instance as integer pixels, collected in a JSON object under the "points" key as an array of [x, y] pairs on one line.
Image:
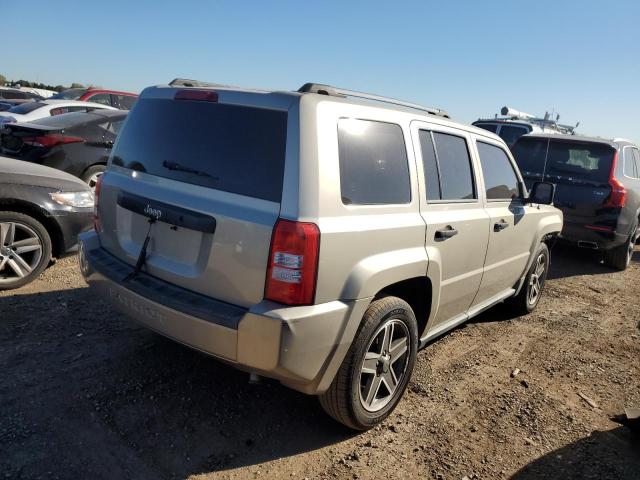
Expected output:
{"points": [[609, 454], [569, 261], [110, 399]]}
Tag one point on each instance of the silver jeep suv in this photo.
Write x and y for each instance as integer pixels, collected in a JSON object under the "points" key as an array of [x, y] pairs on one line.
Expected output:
{"points": [[319, 237]]}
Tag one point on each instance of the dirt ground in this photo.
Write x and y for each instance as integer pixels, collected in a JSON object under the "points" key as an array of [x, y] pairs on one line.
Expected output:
{"points": [[85, 393]]}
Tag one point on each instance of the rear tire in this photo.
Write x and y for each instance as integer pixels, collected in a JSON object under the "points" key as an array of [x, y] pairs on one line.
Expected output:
{"points": [[376, 370], [620, 257], [91, 174], [529, 296], [25, 249]]}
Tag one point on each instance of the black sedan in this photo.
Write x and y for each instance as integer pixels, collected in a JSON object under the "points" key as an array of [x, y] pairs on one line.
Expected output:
{"points": [[42, 211], [76, 143]]}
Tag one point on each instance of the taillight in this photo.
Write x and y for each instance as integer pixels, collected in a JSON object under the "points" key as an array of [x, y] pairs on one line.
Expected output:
{"points": [[96, 196], [618, 195], [202, 95], [48, 141], [293, 263]]}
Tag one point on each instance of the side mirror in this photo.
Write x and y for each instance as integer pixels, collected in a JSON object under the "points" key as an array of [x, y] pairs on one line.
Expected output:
{"points": [[542, 193]]}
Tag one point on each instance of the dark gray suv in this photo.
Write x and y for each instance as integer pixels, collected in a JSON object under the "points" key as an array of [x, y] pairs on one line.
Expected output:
{"points": [[597, 188]]}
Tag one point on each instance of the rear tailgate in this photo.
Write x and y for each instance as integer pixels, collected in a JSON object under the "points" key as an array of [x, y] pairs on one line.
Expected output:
{"points": [[579, 169], [211, 173]]}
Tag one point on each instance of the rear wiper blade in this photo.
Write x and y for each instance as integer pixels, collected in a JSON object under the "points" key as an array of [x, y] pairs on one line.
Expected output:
{"points": [[181, 168]]}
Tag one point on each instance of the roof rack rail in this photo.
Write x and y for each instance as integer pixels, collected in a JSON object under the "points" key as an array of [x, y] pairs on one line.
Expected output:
{"points": [[321, 89]]}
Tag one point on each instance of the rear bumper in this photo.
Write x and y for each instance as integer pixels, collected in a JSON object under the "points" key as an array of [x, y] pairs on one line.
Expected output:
{"points": [[301, 346], [577, 233]]}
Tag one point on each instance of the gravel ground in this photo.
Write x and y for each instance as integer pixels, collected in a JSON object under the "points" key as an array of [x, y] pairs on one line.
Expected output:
{"points": [[85, 393]]}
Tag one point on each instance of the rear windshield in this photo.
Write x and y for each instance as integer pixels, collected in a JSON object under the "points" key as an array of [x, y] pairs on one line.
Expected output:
{"points": [[564, 159], [24, 108], [236, 149], [70, 94]]}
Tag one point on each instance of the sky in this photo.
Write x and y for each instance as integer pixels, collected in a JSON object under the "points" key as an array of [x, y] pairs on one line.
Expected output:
{"points": [[580, 59]]}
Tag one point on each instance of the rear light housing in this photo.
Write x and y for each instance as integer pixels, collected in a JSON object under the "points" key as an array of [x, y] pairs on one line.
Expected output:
{"points": [[293, 263], [618, 196], [202, 95], [49, 141], [96, 196]]}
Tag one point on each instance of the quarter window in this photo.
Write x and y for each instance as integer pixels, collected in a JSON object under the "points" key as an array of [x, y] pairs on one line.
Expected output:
{"points": [[500, 179], [374, 168], [491, 127], [636, 154], [431, 176], [630, 169]]}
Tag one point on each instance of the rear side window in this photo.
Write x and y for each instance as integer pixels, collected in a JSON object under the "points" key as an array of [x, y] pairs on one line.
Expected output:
{"points": [[636, 155], [530, 155], [225, 147], [374, 168], [491, 127], [125, 102], [511, 133], [500, 180], [102, 98], [630, 168], [456, 176]]}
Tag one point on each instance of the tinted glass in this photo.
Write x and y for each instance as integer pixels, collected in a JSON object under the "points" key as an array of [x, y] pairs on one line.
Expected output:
{"points": [[487, 126], [500, 180], [373, 163], [629, 163], [579, 160], [530, 154], [13, 95], [125, 102], [231, 148], [66, 121], [115, 126], [510, 134], [636, 155], [70, 94], [430, 164], [24, 108], [102, 98], [456, 177]]}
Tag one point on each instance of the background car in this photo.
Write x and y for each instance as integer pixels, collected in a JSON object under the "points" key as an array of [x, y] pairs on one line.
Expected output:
{"points": [[42, 211], [597, 188], [15, 94], [28, 112], [113, 98], [77, 143]]}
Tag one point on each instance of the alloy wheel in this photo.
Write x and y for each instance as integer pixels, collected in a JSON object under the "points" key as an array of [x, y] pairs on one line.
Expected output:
{"points": [[632, 243], [93, 180], [384, 365], [20, 251], [536, 279]]}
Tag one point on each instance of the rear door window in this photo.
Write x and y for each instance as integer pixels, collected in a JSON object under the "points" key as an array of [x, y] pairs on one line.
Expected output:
{"points": [[374, 168], [454, 162], [102, 98], [511, 133], [232, 148], [500, 179]]}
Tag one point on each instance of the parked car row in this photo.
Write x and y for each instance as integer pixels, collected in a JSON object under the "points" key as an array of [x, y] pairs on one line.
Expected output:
{"points": [[319, 237]]}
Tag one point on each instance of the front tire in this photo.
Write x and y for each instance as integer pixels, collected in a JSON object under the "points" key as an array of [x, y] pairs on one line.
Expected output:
{"points": [[376, 370], [531, 292], [25, 249]]}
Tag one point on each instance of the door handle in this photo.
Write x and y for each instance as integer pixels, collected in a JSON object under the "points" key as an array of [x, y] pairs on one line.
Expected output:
{"points": [[445, 233], [499, 226]]}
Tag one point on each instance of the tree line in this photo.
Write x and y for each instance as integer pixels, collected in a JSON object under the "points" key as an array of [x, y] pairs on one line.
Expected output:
{"points": [[27, 83]]}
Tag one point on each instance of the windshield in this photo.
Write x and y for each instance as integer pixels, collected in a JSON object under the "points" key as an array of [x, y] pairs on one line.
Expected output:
{"points": [[226, 147], [25, 108], [564, 159], [70, 94]]}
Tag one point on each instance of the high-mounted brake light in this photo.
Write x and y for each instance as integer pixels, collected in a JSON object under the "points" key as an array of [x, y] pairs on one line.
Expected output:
{"points": [[202, 95], [618, 196], [96, 196], [293, 263], [51, 140]]}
